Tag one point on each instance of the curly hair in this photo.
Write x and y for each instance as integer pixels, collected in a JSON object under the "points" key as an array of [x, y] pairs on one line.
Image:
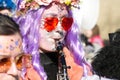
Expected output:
{"points": [[107, 61]]}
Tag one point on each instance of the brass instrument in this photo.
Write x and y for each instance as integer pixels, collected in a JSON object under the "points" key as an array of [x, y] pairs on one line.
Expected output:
{"points": [[62, 67]]}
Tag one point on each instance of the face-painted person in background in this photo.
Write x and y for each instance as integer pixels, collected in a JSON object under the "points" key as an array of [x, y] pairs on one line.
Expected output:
{"points": [[10, 49], [42, 29]]}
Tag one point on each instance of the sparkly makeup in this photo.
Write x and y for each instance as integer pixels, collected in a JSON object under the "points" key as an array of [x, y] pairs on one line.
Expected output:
{"points": [[10, 51], [14, 45], [61, 8], [10, 44], [0, 46]]}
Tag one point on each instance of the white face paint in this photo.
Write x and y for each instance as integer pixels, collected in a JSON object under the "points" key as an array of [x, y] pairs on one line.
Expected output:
{"points": [[48, 40]]}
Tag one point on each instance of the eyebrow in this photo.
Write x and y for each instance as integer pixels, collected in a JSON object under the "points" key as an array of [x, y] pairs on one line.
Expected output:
{"points": [[55, 15], [50, 14], [4, 56], [19, 55]]}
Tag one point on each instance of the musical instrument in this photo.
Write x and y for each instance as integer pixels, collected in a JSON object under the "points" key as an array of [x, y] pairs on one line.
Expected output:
{"points": [[62, 67]]}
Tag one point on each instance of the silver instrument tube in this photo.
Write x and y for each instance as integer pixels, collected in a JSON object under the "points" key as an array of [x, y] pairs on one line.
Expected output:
{"points": [[62, 67]]}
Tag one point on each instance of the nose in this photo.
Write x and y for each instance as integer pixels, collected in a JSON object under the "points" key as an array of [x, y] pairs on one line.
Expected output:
{"points": [[59, 27], [13, 70]]}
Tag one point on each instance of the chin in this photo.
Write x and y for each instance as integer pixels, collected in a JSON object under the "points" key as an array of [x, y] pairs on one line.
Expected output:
{"points": [[52, 50], [48, 50]]}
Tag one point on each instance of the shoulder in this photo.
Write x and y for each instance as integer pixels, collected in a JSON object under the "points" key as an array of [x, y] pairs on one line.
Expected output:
{"points": [[95, 77]]}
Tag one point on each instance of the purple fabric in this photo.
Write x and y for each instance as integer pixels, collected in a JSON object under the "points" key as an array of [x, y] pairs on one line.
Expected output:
{"points": [[18, 4], [29, 26]]}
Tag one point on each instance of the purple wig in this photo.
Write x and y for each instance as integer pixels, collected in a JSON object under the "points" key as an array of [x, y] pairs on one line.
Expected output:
{"points": [[73, 43], [29, 26], [18, 4]]}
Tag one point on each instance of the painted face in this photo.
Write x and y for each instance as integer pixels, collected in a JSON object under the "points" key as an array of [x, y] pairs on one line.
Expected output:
{"points": [[52, 30], [10, 56]]}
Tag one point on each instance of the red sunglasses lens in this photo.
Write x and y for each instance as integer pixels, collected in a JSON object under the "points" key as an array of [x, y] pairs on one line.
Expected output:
{"points": [[50, 23], [67, 23]]}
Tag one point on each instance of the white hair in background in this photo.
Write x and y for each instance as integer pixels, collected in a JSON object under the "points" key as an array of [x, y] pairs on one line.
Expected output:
{"points": [[87, 15]]}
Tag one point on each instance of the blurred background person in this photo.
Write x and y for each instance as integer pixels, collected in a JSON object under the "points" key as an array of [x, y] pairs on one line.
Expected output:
{"points": [[7, 7], [87, 21], [5, 11], [106, 62], [93, 37]]}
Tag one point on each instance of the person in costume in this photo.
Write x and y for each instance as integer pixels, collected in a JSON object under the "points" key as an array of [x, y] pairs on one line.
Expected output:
{"points": [[11, 52], [43, 29]]}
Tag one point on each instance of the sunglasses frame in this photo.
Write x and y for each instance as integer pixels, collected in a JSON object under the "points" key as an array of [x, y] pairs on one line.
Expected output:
{"points": [[4, 67], [50, 27]]}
